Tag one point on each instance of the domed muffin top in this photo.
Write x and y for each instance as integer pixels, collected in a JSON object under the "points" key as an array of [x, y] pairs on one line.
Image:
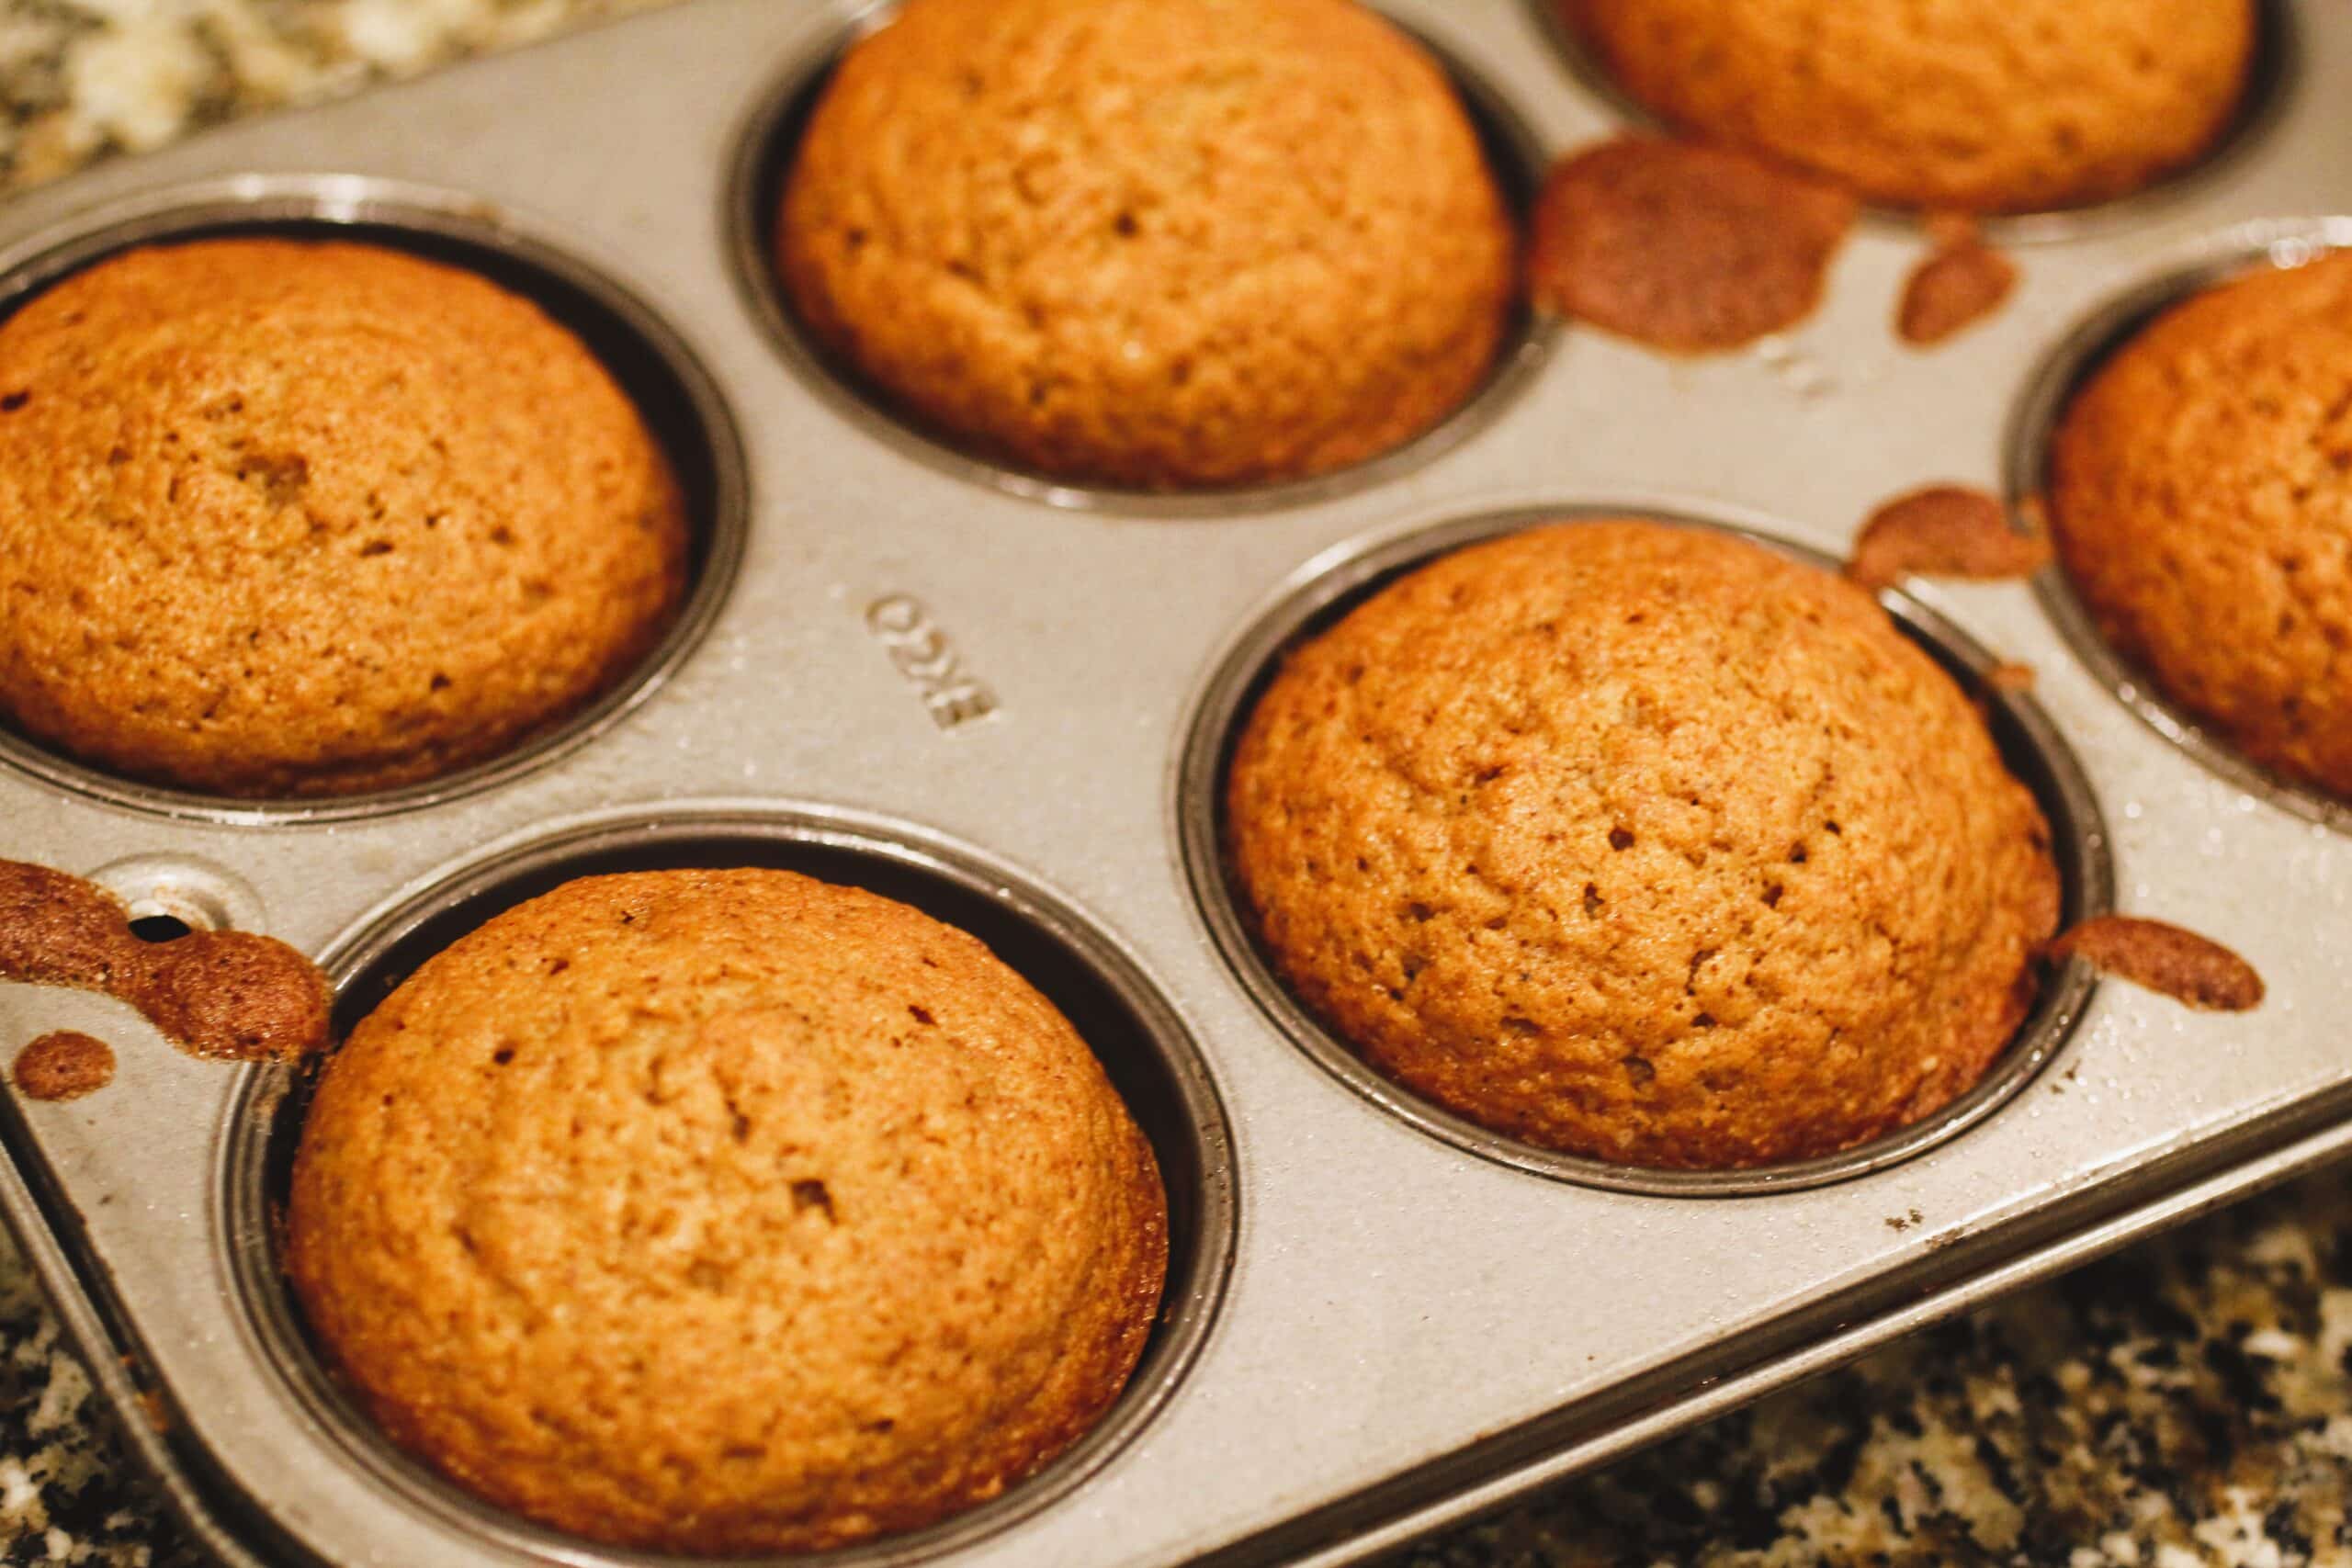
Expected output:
{"points": [[1157, 243], [288, 518], [1643, 843], [1986, 106], [2200, 500], [726, 1212]]}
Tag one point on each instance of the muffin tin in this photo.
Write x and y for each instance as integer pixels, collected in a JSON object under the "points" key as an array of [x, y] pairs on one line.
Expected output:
{"points": [[1006, 699]]}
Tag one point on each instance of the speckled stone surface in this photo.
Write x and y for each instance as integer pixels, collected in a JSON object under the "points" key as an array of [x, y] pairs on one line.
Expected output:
{"points": [[85, 79], [2186, 1403]]}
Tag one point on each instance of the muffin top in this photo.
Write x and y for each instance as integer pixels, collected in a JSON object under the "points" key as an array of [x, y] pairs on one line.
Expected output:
{"points": [[725, 1212], [1157, 243], [2201, 498], [285, 518], [1643, 843], [1989, 106]]}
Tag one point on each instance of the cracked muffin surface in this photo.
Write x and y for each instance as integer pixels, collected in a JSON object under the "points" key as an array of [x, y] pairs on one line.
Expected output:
{"points": [[1157, 243], [1986, 105], [1643, 843], [726, 1212], [2200, 501], [282, 517]]}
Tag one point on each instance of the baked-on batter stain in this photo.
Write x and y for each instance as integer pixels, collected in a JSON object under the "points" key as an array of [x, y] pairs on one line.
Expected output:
{"points": [[231, 995], [1680, 245], [2165, 959], [64, 1064], [1943, 531], [1959, 282]]}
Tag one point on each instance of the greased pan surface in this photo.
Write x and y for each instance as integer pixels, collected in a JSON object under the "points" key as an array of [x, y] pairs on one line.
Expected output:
{"points": [[910, 669]]}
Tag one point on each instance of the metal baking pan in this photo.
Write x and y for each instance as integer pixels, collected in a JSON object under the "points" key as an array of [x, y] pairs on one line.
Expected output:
{"points": [[1006, 699]]}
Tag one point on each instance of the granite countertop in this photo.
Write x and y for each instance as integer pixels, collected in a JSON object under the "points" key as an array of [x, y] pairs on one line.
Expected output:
{"points": [[2187, 1402]]}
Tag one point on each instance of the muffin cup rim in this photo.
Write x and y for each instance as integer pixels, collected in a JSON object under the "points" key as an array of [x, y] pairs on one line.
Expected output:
{"points": [[1349, 572], [248, 1232]]}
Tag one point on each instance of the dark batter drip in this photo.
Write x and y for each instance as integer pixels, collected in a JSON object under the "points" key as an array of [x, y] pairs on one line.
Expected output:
{"points": [[2165, 959], [1682, 246], [228, 995], [1962, 281], [64, 1064], [1943, 531]]}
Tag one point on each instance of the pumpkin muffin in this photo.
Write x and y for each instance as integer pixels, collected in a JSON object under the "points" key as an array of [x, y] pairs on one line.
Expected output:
{"points": [[1152, 243], [2200, 494], [1983, 106], [1642, 843], [283, 518], [727, 1212]]}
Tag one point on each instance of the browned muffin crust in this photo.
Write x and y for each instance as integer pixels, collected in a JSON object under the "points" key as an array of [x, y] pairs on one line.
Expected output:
{"points": [[1159, 244], [2201, 498], [1642, 843], [1988, 106], [281, 518], [726, 1212]]}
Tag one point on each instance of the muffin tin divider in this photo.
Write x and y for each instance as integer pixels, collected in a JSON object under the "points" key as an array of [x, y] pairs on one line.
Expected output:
{"points": [[1394, 1301]]}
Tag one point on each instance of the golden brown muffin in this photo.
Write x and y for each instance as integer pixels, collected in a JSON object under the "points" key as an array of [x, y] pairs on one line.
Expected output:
{"points": [[281, 518], [1158, 243], [1989, 106], [2201, 498], [726, 1212], [1642, 843]]}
